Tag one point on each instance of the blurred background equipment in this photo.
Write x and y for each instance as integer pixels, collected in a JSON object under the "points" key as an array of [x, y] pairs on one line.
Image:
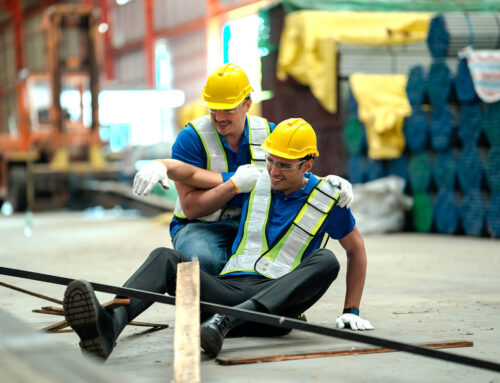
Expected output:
{"points": [[107, 84]]}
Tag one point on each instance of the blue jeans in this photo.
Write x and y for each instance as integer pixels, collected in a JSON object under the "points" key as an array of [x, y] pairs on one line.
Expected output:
{"points": [[210, 242]]}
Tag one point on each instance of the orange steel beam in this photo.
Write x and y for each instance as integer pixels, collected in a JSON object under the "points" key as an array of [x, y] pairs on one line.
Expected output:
{"points": [[109, 68], [149, 43], [17, 18]]}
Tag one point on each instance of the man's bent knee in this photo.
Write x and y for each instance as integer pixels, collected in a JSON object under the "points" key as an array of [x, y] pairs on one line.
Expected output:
{"points": [[327, 263]]}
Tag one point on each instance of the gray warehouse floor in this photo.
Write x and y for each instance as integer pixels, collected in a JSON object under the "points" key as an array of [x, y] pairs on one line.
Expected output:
{"points": [[420, 288]]}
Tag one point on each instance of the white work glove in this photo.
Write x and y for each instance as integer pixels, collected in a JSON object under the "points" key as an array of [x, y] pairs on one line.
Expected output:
{"points": [[346, 197], [149, 176], [244, 178], [353, 321]]}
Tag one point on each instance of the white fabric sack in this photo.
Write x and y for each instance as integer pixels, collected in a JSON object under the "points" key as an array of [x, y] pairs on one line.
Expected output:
{"points": [[379, 206]]}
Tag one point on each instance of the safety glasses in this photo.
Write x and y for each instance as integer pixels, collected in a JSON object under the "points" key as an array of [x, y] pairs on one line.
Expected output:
{"points": [[283, 165], [227, 111]]}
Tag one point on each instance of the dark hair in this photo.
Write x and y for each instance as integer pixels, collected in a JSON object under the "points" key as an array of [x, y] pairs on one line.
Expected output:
{"points": [[308, 157]]}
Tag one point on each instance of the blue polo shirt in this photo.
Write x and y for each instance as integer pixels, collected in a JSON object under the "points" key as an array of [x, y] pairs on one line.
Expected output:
{"points": [[339, 223], [188, 148]]}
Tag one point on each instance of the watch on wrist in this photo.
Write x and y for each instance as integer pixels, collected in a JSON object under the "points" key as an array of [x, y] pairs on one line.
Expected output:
{"points": [[351, 310]]}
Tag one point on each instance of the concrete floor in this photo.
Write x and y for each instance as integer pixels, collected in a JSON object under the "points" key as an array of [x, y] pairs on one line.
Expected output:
{"points": [[419, 288]]}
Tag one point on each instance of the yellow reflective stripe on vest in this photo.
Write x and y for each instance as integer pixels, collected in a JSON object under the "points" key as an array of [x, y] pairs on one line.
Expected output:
{"points": [[258, 131], [216, 160], [216, 155], [285, 255]]}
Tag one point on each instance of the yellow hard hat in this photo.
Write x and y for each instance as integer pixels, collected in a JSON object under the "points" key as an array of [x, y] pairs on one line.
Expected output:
{"points": [[226, 87], [292, 138]]}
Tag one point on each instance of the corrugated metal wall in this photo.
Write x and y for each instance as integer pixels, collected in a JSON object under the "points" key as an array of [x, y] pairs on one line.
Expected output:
{"points": [[127, 23], [34, 44], [170, 14], [7, 77], [7, 58], [128, 27], [188, 53], [230, 3], [130, 67]]}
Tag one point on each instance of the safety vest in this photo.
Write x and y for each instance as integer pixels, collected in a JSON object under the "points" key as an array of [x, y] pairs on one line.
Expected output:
{"points": [[253, 253], [258, 130]]}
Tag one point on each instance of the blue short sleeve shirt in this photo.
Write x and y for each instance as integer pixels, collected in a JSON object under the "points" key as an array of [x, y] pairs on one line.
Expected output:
{"points": [[188, 148], [339, 223]]}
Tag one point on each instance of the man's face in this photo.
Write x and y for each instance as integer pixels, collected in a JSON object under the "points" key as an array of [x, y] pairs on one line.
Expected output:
{"points": [[287, 175], [230, 122]]}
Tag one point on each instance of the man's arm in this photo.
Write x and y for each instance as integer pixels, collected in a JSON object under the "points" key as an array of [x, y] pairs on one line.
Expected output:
{"points": [[191, 175], [355, 281], [356, 267], [160, 171], [197, 203]]}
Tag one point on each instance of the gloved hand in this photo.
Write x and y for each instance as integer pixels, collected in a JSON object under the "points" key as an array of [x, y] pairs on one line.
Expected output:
{"points": [[353, 321], [148, 176], [346, 197], [244, 178]]}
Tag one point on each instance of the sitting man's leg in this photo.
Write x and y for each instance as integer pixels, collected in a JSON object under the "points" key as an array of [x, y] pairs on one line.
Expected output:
{"points": [[210, 242], [97, 327], [290, 296]]}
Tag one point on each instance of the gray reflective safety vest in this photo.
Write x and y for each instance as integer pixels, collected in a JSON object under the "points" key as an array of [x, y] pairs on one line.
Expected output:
{"points": [[217, 160], [253, 253]]}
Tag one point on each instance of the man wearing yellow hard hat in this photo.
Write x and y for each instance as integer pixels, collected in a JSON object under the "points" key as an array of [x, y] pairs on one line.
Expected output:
{"points": [[206, 221], [277, 264]]}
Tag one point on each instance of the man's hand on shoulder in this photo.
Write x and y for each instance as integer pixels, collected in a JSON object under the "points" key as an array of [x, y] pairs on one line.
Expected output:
{"points": [[149, 176], [244, 178], [346, 196]]}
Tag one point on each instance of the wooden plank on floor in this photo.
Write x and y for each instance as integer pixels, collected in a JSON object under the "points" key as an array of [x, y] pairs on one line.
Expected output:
{"points": [[54, 300], [263, 356], [187, 323]]}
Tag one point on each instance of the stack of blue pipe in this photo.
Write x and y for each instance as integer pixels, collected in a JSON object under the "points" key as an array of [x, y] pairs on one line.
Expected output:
{"points": [[452, 155], [493, 215], [469, 124], [491, 127]]}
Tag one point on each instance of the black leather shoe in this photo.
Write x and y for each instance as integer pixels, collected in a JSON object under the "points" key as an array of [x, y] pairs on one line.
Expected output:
{"points": [[213, 332], [92, 323]]}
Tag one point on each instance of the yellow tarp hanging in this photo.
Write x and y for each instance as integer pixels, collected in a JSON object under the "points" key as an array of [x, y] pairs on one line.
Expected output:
{"points": [[308, 46], [382, 107]]}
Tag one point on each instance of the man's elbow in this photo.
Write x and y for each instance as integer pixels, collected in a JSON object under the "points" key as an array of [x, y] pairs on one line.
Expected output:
{"points": [[191, 214]]}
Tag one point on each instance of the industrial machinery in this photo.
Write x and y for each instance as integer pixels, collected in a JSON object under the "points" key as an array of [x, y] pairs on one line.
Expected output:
{"points": [[58, 125]]}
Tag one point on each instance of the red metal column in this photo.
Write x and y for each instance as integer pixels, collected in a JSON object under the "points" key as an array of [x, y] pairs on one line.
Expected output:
{"points": [[17, 21], [109, 68], [149, 43]]}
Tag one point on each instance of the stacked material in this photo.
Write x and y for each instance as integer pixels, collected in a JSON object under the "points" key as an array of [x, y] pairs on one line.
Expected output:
{"points": [[441, 127], [446, 212], [469, 124], [416, 129]]}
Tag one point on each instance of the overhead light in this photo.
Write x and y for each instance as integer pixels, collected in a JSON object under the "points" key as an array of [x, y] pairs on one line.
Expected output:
{"points": [[103, 28], [122, 2]]}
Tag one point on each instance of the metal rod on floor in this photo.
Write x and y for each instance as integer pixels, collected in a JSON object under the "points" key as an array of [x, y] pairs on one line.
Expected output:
{"points": [[268, 319]]}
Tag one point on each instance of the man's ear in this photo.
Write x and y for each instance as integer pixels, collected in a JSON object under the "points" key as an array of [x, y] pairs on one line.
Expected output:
{"points": [[308, 165], [248, 104]]}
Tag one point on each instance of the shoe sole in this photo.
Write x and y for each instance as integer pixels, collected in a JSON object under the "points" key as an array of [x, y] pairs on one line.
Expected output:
{"points": [[81, 310], [210, 341]]}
